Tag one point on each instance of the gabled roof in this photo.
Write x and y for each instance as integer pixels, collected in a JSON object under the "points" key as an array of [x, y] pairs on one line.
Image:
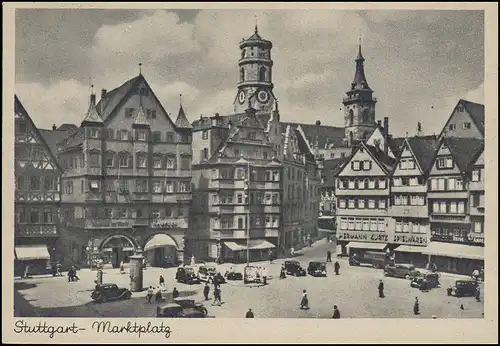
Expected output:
{"points": [[52, 138], [379, 155], [331, 169], [92, 115], [303, 145], [182, 121], [424, 150], [18, 107], [465, 151], [73, 141], [325, 134], [476, 112]]}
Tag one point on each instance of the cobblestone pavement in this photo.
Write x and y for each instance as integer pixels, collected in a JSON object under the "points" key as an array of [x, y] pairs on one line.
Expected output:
{"points": [[354, 291]]}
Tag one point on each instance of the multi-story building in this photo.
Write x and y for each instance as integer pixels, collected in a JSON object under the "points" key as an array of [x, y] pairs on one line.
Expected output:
{"points": [[466, 121], [477, 199], [245, 154], [454, 246], [37, 192], [127, 179], [408, 207]]}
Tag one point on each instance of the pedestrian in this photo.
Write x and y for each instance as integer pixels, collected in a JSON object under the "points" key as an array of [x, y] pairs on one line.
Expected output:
{"points": [[249, 314], [381, 289], [328, 256], [478, 294], [193, 262], [158, 296], [434, 267], [336, 312], [416, 307], [175, 293], [161, 281], [27, 271], [149, 295], [292, 252], [217, 298], [59, 269], [264, 275], [206, 290], [282, 272], [337, 267], [449, 290], [304, 302]]}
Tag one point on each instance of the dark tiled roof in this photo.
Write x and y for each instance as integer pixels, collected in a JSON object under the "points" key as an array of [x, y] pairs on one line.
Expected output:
{"points": [[476, 112], [68, 128], [325, 134], [330, 170], [52, 138], [74, 140], [465, 151], [303, 147], [424, 149], [182, 120], [115, 96], [379, 155]]}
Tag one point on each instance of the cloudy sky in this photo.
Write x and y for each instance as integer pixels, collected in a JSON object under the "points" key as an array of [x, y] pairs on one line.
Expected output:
{"points": [[419, 63]]}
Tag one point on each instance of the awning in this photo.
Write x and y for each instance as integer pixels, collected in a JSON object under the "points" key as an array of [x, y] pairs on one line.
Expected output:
{"points": [[32, 252], [260, 245], [454, 250], [408, 248], [371, 246], [326, 217], [327, 230], [159, 240], [233, 246]]}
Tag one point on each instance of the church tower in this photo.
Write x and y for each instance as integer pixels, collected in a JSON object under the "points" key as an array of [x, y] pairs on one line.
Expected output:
{"points": [[359, 104], [255, 87]]}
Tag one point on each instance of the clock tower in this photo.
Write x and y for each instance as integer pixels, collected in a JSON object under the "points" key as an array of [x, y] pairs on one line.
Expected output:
{"points": [[255, 87], [359, 105]]}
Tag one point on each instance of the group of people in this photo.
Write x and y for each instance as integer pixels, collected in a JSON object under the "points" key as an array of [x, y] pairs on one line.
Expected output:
{"points": [[72, 274]]}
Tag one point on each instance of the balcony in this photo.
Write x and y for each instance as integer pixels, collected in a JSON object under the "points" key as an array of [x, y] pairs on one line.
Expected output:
{"points": [[141, 196], [222, 184], [169, 222], [184, 197], [36, 230], [448, 194], [164, 198], [409, 211], [410, 189], [242, 234], [362, 192], [362, 212], [172, 173], [450, 218], [272, 209], [476, 186], [93, 196]]}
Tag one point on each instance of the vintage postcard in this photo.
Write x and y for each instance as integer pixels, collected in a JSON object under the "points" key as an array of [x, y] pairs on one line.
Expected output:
{"points": [[249, 172]]}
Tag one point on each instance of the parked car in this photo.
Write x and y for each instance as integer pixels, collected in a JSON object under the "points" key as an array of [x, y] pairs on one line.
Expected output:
{"points": [[210, 274], [108, 292], [376, 259], [464, 288], [402, 270], [233, 275], [186, 275], [188, 303], [174, 310], [294, 268], [425, 281], [316, 268], [251, 275]]}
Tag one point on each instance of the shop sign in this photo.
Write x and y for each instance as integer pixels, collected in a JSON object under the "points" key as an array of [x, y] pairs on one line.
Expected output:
{"points": [[169, 223], [363, 236], [411, 239]]}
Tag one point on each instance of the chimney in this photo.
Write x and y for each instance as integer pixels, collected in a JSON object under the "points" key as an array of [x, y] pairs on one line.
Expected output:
{"points": [[104, 95], [54, 127], [386, 135], [92, 99], [379, 124]]}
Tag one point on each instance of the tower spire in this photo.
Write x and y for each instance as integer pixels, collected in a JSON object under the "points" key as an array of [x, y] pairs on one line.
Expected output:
{"points": [[180, 99], [256, 27], [360, 56], [140, 68]]}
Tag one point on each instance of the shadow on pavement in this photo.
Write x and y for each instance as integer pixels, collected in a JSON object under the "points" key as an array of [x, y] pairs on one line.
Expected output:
{"points": [[20, 286]]}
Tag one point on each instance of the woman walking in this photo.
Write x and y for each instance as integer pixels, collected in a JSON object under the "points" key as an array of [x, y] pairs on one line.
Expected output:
{"points": [[304, 303]]}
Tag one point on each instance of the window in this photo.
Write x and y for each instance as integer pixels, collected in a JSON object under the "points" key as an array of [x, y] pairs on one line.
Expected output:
{"points": [[170, 137], [397, 182], [404, 200], [478, 227], [268, 199], [406, 227], [441, 183], [184, 186], [449, 162], [94, 185], [47, 215], [110, 160], [275, 221], [397, 200], [343, 223], [451, 184], [373, 224], [155, 213], [351, 204], [452, 127], [123, 135], [411, 164], [141, 135], [35, 183], [371, 204], [94, 133], [342, 155], [141, 186], [169, 187], [355, 165], [435, 207], [351, 224], [371, 184], [186, 163], [129, 112], [476, 199], [69, 188], [459, 185], [399, 226], [467, 126], [366, 224], [421, 200], [240, 222], [276, 176], [275, 198], [381, 184], [49, 184], [434, 184], [170, 162], [381, 225], [153, 113], [157, 136], [123, 160], [351, 184], [239, 198], [442, 207], [22, 127], [381, 204], [142, 161], [359, 224], [402, 164], [262, 74], [157, 187], [204, 135], [342, 203], [34, 215], [476, 175], [413, 181], [453, 207], [461, 207], [157, 162], [361, 203], [94, 159]]}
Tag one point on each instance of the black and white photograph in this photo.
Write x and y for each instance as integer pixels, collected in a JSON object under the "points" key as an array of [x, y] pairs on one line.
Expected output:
{"points": [[249, 163]]}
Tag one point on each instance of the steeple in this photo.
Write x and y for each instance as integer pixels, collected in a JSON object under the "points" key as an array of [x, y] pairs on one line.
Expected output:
{"points": [[182, 121], [92, 115], [359, 81]]}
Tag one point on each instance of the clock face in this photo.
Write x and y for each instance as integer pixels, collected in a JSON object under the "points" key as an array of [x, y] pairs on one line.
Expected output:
{"points": [[241, 97], [263, 96]]}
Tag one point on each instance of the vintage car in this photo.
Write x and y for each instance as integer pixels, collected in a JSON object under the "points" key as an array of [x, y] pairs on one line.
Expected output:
{"points": [[186, 275], [251, 275], [233, 275], [376, 259], [464, 288], [425, 281], [316, 268], [188, 303], [406, 271], [108, 292], [210, 274], [174, 310], [294, 268]]}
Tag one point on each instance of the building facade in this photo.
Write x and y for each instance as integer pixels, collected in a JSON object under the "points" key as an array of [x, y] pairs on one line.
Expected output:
{"points": [[37, 194], [127, 180]]}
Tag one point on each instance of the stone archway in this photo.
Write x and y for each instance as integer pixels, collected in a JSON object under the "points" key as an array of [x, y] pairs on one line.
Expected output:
{"points": [[117, 249], [160, 250]]}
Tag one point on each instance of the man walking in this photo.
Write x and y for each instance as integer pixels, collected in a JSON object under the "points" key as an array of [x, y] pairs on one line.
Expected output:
{"points": [[249, 314], [381, 289], [206, 290], [328, 256], [337, 267], [416, 307], [336, 312], [478, 294], [264, 275], [149, 295], [217, 298]]}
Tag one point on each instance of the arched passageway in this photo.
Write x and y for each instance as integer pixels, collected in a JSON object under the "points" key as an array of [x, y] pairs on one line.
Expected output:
{"points": [[117, 249], [161, 251]]}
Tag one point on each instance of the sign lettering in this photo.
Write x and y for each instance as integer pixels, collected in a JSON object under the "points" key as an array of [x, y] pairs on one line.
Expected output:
{"points": [[411, 239], [360, 235]]}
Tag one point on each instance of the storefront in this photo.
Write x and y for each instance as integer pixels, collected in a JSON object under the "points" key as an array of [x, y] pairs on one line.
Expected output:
{"points": [[454, 257], [359, 248], [410, 254], [161, 251], [236, 251], [37, 257]]}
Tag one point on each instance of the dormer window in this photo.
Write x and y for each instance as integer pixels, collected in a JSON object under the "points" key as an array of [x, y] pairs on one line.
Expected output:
{"points": [[452, 127], [467, 126], [94, 133]]}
